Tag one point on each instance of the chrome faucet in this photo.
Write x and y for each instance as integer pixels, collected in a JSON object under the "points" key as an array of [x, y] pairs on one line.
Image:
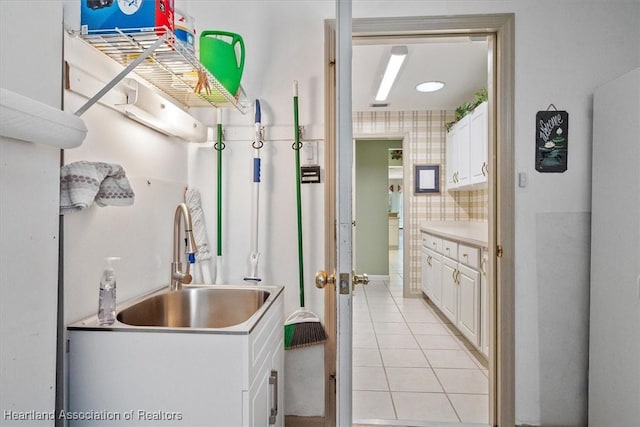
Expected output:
{"points": [[178, 277]]}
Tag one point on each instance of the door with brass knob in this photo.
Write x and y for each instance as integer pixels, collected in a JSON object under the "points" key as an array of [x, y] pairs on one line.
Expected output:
{"points": [[323, 279]]}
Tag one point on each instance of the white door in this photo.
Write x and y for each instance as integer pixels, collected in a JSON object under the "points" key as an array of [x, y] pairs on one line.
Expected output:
{"points": [[344, 163]]}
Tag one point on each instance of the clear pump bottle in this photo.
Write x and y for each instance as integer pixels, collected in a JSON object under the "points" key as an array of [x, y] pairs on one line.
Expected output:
{"points": [[107, 299]]}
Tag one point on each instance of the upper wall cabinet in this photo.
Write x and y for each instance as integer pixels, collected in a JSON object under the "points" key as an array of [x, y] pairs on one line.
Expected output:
{"points": [[467, 148]]}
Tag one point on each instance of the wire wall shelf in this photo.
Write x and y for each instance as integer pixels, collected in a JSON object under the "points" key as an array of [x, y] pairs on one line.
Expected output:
{"points": [[165, 62]]}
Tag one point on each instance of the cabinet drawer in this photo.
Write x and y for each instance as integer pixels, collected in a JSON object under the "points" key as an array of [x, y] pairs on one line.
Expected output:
{"points": [[469, 255], [432, 242], [450, 249]]}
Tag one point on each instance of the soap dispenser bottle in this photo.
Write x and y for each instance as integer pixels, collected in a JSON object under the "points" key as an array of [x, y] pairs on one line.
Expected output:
{"points": [[107, 299]]}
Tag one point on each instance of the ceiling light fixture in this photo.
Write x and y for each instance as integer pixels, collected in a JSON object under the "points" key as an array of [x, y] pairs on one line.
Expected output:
{"points": [[429, 86], [396, 59]]}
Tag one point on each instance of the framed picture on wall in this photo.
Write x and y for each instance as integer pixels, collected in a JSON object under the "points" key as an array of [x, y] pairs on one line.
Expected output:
{"points": [[427, 179]]}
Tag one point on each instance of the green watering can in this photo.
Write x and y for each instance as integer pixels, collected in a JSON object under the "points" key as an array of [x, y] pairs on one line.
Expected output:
{"points": [[218, 55]]}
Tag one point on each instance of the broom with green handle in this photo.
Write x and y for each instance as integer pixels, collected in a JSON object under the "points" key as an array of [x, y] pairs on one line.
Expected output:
{"points": [[302, 328]]}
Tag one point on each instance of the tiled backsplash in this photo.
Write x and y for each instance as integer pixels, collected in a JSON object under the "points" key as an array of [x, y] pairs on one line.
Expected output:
{"points": [[424, 137]]}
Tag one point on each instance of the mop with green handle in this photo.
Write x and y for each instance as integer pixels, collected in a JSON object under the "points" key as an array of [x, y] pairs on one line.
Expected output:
{"points": [[302, 328], [219, 146]]}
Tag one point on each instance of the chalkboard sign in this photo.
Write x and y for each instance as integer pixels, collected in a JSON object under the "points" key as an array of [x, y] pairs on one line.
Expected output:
{"points": [[552, 139]]}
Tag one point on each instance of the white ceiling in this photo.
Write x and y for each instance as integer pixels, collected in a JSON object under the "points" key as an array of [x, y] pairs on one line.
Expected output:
{"points": [[457, 61]]}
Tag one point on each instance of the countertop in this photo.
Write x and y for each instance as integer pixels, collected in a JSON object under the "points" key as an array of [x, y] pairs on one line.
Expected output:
{"points": [[472, 232]]}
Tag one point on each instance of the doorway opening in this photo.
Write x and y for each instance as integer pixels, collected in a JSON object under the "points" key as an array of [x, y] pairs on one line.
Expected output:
{"points": [[410, 361], [500, 263]]}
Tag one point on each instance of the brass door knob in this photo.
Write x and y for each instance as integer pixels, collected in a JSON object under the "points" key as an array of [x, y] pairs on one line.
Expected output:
{"points": [[360, 279], [322, 279]]}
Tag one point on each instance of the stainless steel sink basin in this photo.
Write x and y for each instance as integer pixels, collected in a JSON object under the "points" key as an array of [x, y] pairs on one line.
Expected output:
{"points": [[195, 308]]}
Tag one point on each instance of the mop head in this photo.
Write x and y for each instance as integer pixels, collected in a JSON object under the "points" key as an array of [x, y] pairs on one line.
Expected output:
{"points": [[303, 329]]}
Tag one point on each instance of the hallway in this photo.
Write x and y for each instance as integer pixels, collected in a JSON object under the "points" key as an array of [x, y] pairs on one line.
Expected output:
{"points": [[408, 362]]}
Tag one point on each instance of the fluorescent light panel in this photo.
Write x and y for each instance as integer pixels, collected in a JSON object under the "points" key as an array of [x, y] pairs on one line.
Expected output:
{"points": [[396, 59], [145, 106]]}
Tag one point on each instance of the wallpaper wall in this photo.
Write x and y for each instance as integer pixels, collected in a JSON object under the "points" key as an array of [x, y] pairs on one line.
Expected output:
{"points": [[424, 138]]}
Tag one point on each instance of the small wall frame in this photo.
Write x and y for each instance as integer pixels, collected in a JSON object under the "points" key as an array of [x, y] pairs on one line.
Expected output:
{"points": [[426, 179]]}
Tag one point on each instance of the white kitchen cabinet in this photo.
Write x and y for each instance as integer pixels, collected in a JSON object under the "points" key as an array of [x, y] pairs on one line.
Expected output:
{"points": [[467, 151], [479, 145], [457, 162], [452, 280], [424, 272], [432, 275], [468, 323], [449, 304], [153, 377]]}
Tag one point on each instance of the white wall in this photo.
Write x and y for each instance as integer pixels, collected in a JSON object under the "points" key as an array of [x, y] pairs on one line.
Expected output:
{"points": [[141, 234], [29, 200], [563, 51], [284, 42]]}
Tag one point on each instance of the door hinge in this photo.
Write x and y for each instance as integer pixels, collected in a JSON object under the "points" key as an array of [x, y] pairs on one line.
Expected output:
{"points": [[499, 251]]}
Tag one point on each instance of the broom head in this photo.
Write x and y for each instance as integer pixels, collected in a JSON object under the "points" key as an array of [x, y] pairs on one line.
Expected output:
{"points": [[303, 329]]}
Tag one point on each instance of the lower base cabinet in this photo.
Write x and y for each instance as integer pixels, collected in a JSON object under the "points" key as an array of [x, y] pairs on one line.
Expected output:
{"points": [[469, 303], [131, 378], [453, 281], [432, 275], [449, 304]]}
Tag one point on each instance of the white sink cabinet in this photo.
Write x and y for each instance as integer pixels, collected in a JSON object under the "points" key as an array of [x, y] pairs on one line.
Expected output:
{"points": [[191, 378]]}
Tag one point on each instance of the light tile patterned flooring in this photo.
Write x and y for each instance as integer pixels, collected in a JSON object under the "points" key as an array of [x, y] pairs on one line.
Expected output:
{"points": [[408, 362]]}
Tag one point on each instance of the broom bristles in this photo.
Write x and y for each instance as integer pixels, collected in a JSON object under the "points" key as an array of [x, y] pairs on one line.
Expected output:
{"points": [[303, 334]]}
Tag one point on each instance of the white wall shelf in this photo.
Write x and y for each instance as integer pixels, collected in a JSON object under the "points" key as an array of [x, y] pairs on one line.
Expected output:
{"points": [[164, 62], [30, 120]]}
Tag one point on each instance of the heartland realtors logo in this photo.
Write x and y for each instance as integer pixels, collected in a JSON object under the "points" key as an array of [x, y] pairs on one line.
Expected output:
{"points": [[140, 415]]}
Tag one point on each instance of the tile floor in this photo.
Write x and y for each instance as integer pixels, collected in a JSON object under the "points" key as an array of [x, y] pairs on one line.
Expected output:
{"points": [[408, 362]]}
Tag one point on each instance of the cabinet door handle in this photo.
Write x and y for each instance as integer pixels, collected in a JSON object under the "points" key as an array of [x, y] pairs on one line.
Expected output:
{"points": [[429, 261], [458, 277], [485, 169], [483, 266], [273, 381]]}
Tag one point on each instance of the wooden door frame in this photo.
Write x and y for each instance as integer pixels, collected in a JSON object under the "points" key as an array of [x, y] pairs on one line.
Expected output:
{"points": [[501, 192]]}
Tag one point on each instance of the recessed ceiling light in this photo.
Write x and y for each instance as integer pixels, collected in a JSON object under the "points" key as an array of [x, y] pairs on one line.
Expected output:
{"points": [[429, 86]]}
